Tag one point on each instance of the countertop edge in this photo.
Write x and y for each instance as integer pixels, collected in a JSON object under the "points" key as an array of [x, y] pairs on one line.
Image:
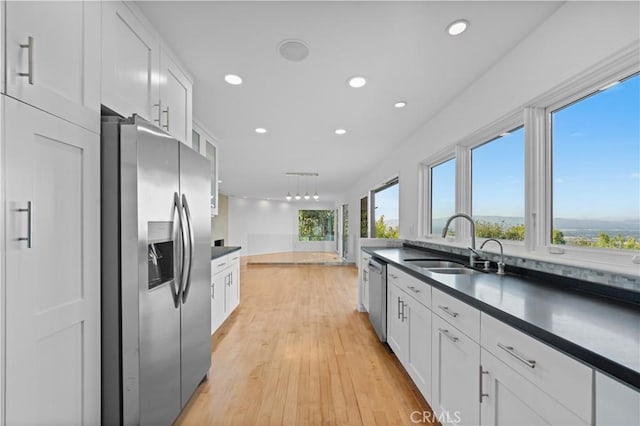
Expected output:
{"points": [[585, 356], [223, 251]]}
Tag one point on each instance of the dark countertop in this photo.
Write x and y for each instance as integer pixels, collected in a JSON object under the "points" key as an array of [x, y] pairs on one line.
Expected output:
{"points": [[600, 332], [218, 251]]}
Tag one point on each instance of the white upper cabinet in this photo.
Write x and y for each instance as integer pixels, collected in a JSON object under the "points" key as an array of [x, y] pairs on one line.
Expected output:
{"points": [[53, 58], [130, 64], [175, 99], [202, 142]]}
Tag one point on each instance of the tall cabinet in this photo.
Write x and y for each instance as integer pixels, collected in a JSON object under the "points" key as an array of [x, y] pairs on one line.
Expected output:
{"points": [[204, 143], [50, 115]]}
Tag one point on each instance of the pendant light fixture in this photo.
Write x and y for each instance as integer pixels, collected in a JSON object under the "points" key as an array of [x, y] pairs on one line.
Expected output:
{"points": [[306, 196], [315, 194]]}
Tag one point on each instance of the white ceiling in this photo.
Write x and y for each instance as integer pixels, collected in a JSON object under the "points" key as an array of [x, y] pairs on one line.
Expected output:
{"points": [[400, 47]]}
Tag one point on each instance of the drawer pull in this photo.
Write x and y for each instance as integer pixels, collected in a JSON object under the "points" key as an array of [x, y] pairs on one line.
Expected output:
{"points": [[395, 277], [413, 289], [221, 264], [511, 351], [448, 311], [446, 334]]}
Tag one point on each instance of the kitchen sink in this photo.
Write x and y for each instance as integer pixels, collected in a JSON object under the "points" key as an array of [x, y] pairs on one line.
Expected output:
{"points": [[433, 263], [454, 271]]}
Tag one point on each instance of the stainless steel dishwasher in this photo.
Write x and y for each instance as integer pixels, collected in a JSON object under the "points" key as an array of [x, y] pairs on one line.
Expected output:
{"points": [[378, 297]]}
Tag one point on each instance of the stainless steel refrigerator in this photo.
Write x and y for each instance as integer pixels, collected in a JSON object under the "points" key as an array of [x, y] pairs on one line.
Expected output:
{"points": [[156, 309]]}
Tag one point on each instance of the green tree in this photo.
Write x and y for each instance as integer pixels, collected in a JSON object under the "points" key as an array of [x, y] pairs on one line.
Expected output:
{"points": [[489, 230], [385, 231], [515, 233], [557, 237]]}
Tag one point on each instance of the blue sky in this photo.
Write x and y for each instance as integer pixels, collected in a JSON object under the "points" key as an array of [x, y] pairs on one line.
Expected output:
{"points": [[596, 155], [387, 204], [596, 163]]}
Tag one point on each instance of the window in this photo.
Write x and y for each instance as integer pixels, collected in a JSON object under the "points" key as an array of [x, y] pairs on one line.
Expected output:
{"points": [[596, 169], [316, 225], [443, 195], [386, 211], [364, 217], [497, 187]]}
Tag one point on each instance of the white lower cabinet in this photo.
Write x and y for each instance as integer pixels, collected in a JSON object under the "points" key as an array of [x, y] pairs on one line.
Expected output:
{"points": [[225, 288], [456, 363], [418, 356], [51, 311], [510, 399], [363, 288], [616, 403], [397, 331]]}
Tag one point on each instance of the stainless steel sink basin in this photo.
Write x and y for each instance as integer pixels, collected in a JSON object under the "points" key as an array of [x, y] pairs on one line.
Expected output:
{"points": [[433, 263], [454, 271]]}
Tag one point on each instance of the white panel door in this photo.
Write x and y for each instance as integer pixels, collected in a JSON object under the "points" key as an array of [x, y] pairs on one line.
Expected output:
{"points": [[218, 290], [176, 98], [616, 403], [130, 64], [455, 369], [56, 45], [510, 399], [418, 362], [52, 240]]}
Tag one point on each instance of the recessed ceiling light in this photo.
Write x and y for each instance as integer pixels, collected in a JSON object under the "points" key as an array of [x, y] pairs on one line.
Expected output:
{"points": [[340, 131], [233, 79], [457, 27], [261, 130], [400, 104], [293, 50], [504, 134], [219, 181], [357, 81], [609, 86]]}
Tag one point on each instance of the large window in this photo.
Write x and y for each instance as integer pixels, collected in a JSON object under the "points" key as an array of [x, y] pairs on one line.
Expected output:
{"points": [[596, 169], [316, 225], [497, 187], [443, 195], [386, 211]]}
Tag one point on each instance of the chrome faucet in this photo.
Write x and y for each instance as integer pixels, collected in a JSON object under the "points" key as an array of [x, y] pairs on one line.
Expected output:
{"points": [[474, 256], [501, 263]]}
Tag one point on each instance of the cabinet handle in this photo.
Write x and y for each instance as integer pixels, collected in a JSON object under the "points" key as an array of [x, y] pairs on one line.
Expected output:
{"points": [[159, 119], [29, 212], [29, 47], [511, 351], [399, 315], [481, 372], [213, 291], [221, 264], [404, 305], [448, 311], [166, 111], [395, 277], [413, 289], [446, 334]]}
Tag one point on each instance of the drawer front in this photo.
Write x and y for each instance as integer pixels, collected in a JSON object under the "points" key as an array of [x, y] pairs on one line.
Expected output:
{"points": [[419, 290], [562, 377], [233, 257], [219, 264], [457, 313]]}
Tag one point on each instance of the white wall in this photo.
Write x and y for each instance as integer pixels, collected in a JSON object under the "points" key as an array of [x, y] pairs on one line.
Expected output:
{"points": [[578, 36], [262, 226]]}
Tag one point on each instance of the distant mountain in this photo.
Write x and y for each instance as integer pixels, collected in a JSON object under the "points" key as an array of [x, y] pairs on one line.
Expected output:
{"points": [[570, 227]]}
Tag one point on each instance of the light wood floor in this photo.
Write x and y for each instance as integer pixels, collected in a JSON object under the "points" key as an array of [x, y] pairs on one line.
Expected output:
{"points": [[295, 352], [296, 257]]}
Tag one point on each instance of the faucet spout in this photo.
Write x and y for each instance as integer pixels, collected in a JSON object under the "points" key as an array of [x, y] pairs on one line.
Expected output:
{"points": [[501, 263], [472, 251]]}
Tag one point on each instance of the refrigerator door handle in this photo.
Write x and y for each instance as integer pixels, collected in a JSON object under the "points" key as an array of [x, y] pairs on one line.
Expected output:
{"points": [[187, 282], [181, 247]]}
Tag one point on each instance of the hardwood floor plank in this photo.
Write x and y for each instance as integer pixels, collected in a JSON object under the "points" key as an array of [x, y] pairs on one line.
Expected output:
{"points": [[296, 352]]}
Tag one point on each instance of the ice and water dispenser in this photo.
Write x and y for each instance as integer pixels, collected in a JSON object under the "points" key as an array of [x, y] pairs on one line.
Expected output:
{"points": [[161, 253]]}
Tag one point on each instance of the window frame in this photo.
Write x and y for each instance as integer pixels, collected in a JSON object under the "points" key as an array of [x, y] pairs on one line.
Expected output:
{"points": [[395, 180], [535, 116]]}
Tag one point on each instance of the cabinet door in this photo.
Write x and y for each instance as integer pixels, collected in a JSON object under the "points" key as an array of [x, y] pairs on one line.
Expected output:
{"points": [[52, 242], [53, 59], [176, 100], [616, 403], [232, 295], [456, 363], [418, 362], [211, 151], [218, 299], [397, 329], [510, 399], [130, 64]]}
